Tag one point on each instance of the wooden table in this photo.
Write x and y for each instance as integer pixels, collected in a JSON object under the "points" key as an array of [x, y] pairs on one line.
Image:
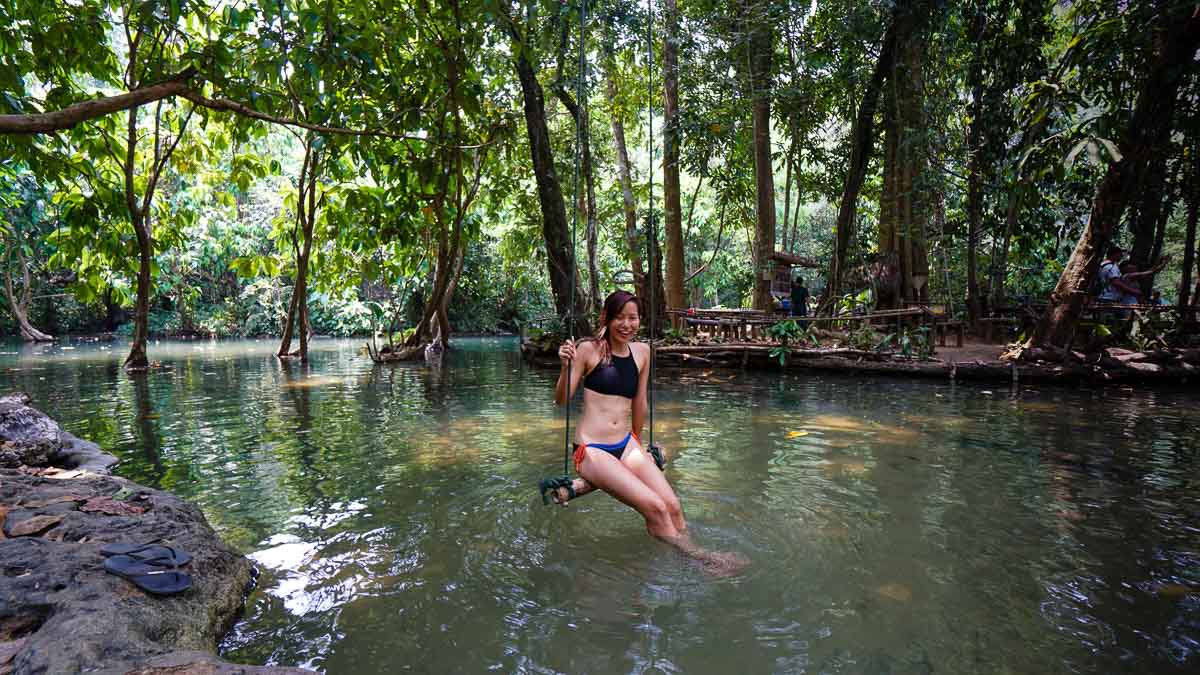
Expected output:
{"points": [[730, 323], [745, 323]]}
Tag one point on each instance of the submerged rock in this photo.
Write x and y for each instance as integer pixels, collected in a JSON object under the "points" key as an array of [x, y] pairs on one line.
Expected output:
{"points": [[60, 611]]}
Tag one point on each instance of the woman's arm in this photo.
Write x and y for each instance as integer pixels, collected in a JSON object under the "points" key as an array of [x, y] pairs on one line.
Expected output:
{"points": [[577, 357], [1153, 270], [639, 401], [1123, 285]]}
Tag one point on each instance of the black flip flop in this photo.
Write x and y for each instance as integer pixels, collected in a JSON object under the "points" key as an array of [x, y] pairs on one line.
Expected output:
{"points": [[147, 551], [153, 575]]}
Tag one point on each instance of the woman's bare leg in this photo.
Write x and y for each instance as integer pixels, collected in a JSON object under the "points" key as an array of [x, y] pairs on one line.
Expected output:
{"points": [[607, 473], [641, 466], [637, 460]]}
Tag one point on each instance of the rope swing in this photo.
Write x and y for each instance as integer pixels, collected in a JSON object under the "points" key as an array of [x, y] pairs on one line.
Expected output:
{"points": [[550, 486]]}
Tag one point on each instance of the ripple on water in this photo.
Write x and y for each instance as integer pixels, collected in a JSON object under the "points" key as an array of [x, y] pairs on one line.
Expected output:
{"points": [[890, 526]]}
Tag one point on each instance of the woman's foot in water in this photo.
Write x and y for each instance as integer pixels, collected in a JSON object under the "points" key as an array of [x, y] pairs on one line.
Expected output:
{"points": [[716, 563], [721, 564]]}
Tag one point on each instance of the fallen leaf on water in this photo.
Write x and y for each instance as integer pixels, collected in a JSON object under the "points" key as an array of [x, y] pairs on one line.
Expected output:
{"points": [[33, 525], [111, 507], [796, 434], [839, 423], [3, 515], [897, 592]]}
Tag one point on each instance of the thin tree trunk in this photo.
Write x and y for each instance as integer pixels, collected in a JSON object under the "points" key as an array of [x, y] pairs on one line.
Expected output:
{"points": [[20, 306], [672, 208], [304, 326], [787, 195], [628, 206], [1145, 223], [586, 202], [555, 233], [1189, 245], [862, 142], [762, 43], [300, 250], [1160, 234], [137, 360], [1148, 127], [974, 165]]}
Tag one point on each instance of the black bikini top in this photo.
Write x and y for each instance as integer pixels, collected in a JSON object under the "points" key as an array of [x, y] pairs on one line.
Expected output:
{"points": [[618, 378]]}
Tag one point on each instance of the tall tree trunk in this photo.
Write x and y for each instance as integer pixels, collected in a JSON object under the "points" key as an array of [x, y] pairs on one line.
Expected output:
{"points": [[1012, 212], [974, 163], [762, 44], [628, 205], [137, 360], [1148, 127], [301, 249], [672, 207], [1160, 236], [862, 143], [1189, 246], [905, 201], [560, 255], [916, 197], [785, 245], [1145, 222], [586, 201], [304, 326], [656, 300]]}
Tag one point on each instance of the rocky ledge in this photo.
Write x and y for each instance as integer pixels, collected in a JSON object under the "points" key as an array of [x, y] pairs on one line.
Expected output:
{"points": [[60, 611]]}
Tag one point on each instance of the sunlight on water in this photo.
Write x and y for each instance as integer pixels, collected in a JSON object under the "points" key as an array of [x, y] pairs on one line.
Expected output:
{"points": [[892, 526]]}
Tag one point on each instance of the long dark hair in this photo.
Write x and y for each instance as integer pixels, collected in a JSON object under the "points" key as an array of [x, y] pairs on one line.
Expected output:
{"points": [[613, 304]]}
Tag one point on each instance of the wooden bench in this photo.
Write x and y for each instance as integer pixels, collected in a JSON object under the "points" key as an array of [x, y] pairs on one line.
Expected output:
{"points": [[991, 323], [942, 328], [942, 325]]}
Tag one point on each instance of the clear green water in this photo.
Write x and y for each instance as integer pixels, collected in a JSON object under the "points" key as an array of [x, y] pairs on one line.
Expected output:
{"points": [[908, 527]]}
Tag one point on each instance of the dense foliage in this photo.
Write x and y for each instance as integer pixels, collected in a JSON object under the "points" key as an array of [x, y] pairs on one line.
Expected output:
{"points": [[375, 157]]}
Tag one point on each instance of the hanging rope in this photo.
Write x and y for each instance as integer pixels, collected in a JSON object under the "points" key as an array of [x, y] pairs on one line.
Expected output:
{"points": [[651, 231], [581, 101], [550, 486]]}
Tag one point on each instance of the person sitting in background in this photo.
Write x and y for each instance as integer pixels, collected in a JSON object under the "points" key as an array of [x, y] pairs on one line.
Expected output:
{"points": [[799, 297], [1120, 282], [1156, 298], [1113, 286]]}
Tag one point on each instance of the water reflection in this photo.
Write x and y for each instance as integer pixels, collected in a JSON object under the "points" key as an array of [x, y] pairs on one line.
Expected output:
{"points": [[893, 526]]}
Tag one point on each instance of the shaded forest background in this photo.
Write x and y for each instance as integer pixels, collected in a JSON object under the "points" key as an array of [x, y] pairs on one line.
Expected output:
{"points": [[289, 167]]}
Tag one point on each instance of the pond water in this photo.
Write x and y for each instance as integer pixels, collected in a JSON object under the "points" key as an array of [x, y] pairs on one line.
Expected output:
{"points": [[892, 526]]}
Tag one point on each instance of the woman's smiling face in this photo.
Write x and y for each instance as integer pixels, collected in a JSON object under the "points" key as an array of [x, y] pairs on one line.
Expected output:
{"points": [[624, 326]]}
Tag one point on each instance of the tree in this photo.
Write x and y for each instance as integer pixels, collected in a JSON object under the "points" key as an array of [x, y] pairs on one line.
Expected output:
{"points": [[1146, 130], [672, 206], [761, 45], [862, 140], [560, 254], [22, 216]]}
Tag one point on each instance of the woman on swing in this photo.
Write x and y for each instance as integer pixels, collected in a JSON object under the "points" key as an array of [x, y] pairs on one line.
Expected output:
{"points": [[608, 452]]}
